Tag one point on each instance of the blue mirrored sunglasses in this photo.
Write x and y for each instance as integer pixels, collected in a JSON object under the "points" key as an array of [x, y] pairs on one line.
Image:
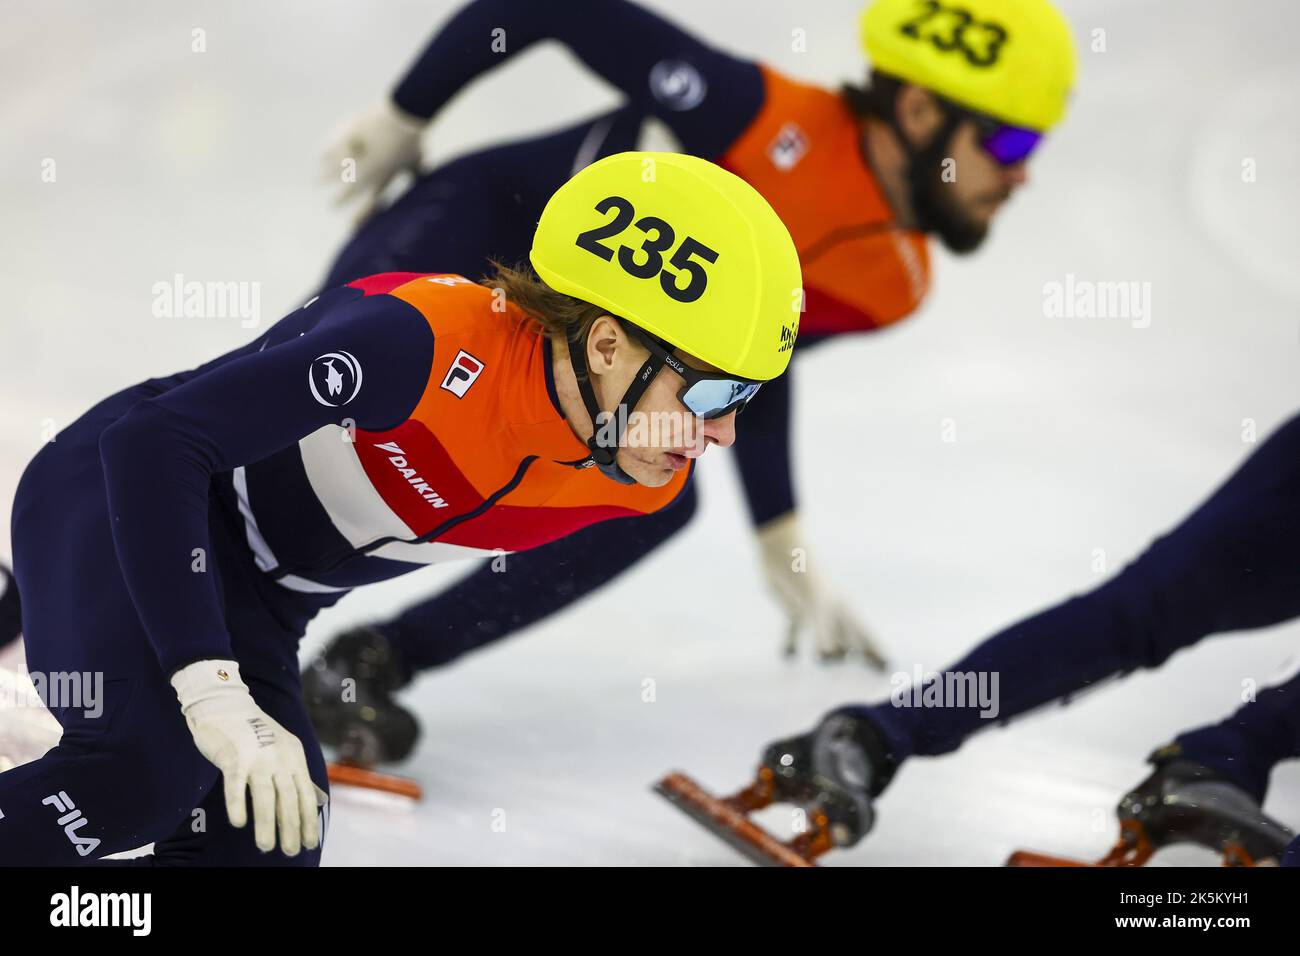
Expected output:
{"points": [[716, 397], [1009, 145], [705, 394]]}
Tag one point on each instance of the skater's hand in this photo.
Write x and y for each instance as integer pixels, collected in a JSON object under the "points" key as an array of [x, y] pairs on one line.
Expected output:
{"points": [[253, 753], [808, 601], [373, 148]]}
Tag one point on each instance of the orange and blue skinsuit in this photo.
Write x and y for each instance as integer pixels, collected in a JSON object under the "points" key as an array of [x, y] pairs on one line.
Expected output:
{"points": [[397, 421]]}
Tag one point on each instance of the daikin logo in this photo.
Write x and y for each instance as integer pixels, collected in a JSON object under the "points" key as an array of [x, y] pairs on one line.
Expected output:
{"points": [[399, 461]]}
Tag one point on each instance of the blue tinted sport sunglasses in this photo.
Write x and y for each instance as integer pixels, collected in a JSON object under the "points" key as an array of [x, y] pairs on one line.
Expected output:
{"points": [[1007, 144], [706, 394]]}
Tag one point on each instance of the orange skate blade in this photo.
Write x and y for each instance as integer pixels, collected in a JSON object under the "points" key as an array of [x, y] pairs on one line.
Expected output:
{"points": [[724, 820], [1030, 858], [1234, 854], [350, 776], [1133, 848]]}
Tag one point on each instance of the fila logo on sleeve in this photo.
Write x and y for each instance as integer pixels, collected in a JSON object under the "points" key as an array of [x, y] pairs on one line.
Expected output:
{"points": [[790, 146], [464, 372]]}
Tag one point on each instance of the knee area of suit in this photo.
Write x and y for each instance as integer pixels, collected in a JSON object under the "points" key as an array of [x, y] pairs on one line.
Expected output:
{"points": [[160, 783]]}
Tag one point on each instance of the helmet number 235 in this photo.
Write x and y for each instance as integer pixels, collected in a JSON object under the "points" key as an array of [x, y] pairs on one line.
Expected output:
{"points": [[647, 260]]}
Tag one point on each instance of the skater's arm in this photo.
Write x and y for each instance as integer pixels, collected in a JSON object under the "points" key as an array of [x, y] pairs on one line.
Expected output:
{"points": [[793, 569], [764, 454], [708, 97], [160, 457]]}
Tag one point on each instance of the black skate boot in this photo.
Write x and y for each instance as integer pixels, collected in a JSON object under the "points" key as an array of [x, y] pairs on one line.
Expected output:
{"points": [[831, 773], [349, 696], [1186, 802], [837, 770], [11, 622]]}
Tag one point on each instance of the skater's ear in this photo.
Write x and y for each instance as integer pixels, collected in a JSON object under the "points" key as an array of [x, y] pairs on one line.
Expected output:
{"points": [[609, 346], [919, 114]]}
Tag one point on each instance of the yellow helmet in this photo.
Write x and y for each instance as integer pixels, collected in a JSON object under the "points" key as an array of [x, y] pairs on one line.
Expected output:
{"points": [[1010, 59], [682, 249]]}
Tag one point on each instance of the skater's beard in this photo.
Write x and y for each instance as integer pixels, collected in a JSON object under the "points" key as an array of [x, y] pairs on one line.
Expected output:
{"points": [[933, 200]]}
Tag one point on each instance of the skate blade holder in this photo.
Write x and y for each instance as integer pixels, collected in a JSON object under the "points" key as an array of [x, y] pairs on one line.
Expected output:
{"points": [[353, 775], [728, 819], [1134, 848]]}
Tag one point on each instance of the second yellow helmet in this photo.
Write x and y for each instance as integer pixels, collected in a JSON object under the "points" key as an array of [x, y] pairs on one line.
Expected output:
{"points": [[1010, 59]]}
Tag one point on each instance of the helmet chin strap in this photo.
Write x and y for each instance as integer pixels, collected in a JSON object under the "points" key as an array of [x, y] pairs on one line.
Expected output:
{"points": [[602, 446]]}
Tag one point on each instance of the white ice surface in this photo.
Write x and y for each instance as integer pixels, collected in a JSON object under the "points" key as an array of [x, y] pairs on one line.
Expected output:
{"points": [[1072, 434]]}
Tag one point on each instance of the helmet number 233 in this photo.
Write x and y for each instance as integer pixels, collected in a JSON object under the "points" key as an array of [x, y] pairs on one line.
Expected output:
{"points": [[647, 261], [980, 52]]}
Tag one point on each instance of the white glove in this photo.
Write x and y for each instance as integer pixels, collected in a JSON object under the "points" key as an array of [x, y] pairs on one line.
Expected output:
{"points": [[252, 752], [370, 151], [807, 599]]}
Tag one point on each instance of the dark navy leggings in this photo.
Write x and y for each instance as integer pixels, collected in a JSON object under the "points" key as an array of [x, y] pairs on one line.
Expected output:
{"points": [[131, 771], [1233, 565]]}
